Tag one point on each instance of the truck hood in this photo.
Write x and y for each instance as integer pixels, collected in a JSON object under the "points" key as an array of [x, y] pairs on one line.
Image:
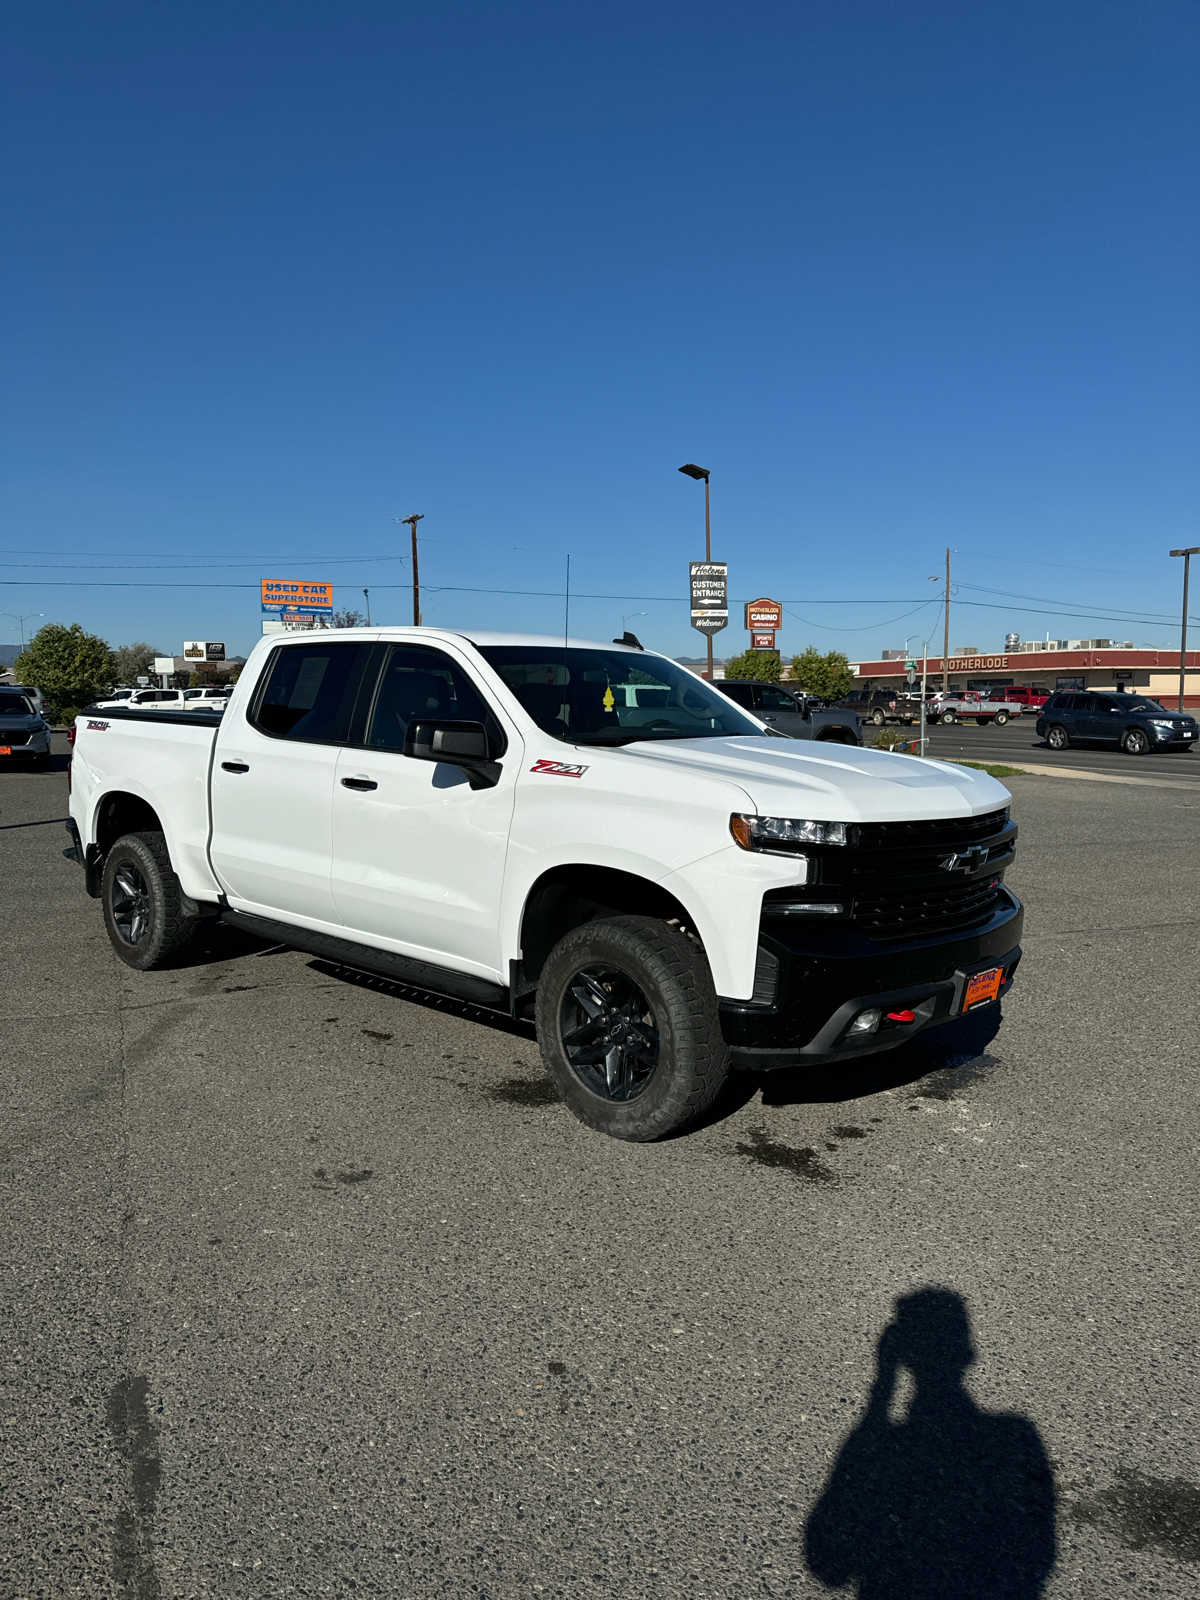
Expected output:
{"points": [[828, 782]]}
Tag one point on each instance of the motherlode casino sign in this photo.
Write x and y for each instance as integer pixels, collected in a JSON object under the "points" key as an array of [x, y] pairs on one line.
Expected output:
{"points": [[763, 619]]}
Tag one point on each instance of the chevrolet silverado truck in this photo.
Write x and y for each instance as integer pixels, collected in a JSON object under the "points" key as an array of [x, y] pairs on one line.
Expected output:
{"points": [[585, 835]]}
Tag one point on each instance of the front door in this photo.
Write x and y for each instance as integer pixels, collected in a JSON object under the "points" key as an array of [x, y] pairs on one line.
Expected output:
{"points": [[418, 853], [272, 782]]}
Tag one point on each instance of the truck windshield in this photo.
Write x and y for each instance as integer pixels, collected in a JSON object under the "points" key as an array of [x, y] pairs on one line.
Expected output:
{"points": [[614, 696]]}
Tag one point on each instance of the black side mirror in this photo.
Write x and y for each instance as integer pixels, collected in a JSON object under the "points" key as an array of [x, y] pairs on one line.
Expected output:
{"points": [[460, 744]]}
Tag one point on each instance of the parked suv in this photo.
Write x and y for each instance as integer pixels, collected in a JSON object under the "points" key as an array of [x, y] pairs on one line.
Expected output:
{"points": [[24, 732], [785, 714], [1131, 721]]}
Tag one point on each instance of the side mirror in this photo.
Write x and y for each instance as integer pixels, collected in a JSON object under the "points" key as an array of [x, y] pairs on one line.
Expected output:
{"points": [[460, 744]]}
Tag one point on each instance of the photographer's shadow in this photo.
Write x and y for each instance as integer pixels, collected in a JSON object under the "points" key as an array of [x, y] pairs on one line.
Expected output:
{"points": [[947, 1501]]}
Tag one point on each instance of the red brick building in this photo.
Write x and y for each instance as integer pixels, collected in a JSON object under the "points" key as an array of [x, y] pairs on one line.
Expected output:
{"points": [[1154, 672]]}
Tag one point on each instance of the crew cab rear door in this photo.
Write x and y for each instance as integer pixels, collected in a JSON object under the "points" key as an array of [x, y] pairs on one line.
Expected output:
{"points": [[272, 780], [418, 853]]}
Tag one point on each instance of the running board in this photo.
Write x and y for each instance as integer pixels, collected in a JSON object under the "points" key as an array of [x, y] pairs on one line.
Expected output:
{"points": [[365, 958]]}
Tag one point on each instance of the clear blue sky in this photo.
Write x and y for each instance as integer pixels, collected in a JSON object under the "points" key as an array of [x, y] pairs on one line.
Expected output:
{"points": [[900, 276]]}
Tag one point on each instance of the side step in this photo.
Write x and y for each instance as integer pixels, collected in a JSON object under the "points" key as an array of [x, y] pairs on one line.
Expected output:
{"points": [[383, 963]]}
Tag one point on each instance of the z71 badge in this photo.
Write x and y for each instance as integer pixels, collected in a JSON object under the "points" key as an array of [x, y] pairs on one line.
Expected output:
{"points": [[558, 769]]}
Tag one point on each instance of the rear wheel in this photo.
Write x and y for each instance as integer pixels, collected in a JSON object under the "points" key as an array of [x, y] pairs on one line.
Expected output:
{"points": [[143, 903], [1000, 718], [628, 1027], [1135, 741], [878, 717], [1056, 737]]}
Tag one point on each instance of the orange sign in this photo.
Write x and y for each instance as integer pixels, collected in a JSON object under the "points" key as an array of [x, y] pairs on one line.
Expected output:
{"points": [[281, 594]]}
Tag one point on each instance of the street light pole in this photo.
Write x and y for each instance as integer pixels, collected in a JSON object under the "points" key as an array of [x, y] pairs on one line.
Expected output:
{"points": [[1192, 550], [21, 621], [418, 516], [367, 598], [946, 633], [693, 471]]}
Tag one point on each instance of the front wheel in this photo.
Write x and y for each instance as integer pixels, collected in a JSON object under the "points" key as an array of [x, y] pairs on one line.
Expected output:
{"points": [[878, 718], [947, 716], [628, 1027], [143, 903], [1135, 742]]}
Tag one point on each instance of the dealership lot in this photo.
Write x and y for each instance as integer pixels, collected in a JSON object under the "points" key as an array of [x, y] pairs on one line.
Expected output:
{"points": [[311, 1288]]}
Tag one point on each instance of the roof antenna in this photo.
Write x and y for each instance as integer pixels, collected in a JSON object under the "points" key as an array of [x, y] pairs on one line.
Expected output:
{"points": [[631, 639]]}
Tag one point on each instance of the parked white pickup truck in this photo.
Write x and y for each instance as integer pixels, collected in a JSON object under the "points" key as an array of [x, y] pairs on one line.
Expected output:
{"points": [[667, 887], [970, 706]]}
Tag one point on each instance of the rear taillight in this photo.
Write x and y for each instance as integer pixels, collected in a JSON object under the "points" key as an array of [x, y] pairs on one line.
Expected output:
{"points": [[71, 734]]}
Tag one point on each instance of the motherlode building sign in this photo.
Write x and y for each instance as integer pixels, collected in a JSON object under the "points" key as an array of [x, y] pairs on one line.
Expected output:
{"points": [[289, 603]]}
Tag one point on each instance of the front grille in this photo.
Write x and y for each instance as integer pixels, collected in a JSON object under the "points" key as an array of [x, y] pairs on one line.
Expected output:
{"points": [[912, 913], [911, 880], [940, 830], [17, 736]]}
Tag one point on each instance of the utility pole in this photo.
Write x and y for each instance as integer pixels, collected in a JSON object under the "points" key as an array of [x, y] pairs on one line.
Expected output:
{"points": [[419, 516], [1192, 550], [367, 598], [946, 633]]}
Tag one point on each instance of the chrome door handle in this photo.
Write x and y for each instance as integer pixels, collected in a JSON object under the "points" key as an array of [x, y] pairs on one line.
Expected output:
{"points": [[359, 783]]}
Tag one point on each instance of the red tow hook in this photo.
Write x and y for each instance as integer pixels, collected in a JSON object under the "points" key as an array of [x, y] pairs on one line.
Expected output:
{"points": [[902, 1016]]}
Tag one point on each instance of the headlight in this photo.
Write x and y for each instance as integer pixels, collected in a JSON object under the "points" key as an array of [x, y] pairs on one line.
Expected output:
{"points": [[785, 834], [1168, 727]]}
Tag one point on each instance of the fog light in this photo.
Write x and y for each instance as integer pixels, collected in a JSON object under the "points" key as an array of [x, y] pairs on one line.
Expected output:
{"points": [[865, 1022]]}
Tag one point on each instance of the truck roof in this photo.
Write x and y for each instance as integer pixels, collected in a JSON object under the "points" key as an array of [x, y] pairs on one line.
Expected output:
{"points": [[476, 636]]}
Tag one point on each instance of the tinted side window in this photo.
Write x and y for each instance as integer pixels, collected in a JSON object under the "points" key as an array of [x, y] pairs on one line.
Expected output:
{"points": [[742, 693], [309, 691], [421, 684], [776, 699]]}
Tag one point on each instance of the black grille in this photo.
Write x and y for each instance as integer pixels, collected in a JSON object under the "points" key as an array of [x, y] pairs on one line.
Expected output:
{"points": [[910, 913], [911, 880], [941, 830], [17, 736]]}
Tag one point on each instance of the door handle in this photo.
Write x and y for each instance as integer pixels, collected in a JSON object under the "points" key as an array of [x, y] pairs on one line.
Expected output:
{"points": [[235, 766], [359, 783], [768, 716]]}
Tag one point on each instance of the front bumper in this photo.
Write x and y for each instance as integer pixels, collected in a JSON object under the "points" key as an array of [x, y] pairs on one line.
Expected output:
{"points": [[815, 981]]}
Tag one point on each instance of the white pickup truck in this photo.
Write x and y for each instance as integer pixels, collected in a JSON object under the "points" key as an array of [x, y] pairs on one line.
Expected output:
{"points": [[584, 834]]}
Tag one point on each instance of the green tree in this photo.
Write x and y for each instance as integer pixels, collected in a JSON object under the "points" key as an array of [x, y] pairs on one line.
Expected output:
{"points": [[348, 619], [134, 661], [69, 666], [763, 665], [830, 675]]}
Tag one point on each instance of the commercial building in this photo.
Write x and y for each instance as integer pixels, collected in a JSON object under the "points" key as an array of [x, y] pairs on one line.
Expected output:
{"points": [[1054, 664]]}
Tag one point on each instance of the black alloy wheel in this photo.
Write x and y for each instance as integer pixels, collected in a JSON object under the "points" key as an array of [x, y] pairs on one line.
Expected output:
{"points": [[130, 905], [1135, 741], [1056, 737], [608, 1033]]}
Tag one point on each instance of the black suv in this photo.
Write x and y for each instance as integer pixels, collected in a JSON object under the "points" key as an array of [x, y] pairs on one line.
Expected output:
{"points": [[1131, 721]]}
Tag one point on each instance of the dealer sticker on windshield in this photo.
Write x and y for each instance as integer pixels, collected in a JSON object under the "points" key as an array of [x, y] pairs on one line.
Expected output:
{"points": [[982, 988]]}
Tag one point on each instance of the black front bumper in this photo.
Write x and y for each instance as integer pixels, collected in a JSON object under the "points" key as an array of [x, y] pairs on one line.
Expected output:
{"points": [[815, 981]]}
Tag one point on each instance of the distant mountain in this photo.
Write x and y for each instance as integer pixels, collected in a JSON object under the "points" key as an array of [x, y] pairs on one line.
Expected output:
{"points": [[8, 654]]}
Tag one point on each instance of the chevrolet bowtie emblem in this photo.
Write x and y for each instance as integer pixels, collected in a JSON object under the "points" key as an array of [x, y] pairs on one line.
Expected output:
{"points": [[966, 860]]}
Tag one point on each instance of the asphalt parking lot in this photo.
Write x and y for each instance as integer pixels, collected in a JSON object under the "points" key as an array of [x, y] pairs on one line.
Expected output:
{"points": [[312, 1288], [1018, 744]]}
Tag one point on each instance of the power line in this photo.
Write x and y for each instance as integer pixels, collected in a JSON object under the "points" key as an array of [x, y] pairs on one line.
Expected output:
{"points": [[170, 565]]}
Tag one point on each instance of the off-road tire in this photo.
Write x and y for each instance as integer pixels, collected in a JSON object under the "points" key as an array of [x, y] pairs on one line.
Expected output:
{"points": [[948, 717], [169, 929], [673, 974], [878, 717]]}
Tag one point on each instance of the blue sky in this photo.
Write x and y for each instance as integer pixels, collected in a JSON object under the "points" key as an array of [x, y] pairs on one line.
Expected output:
{"points": [[901, 277]]}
